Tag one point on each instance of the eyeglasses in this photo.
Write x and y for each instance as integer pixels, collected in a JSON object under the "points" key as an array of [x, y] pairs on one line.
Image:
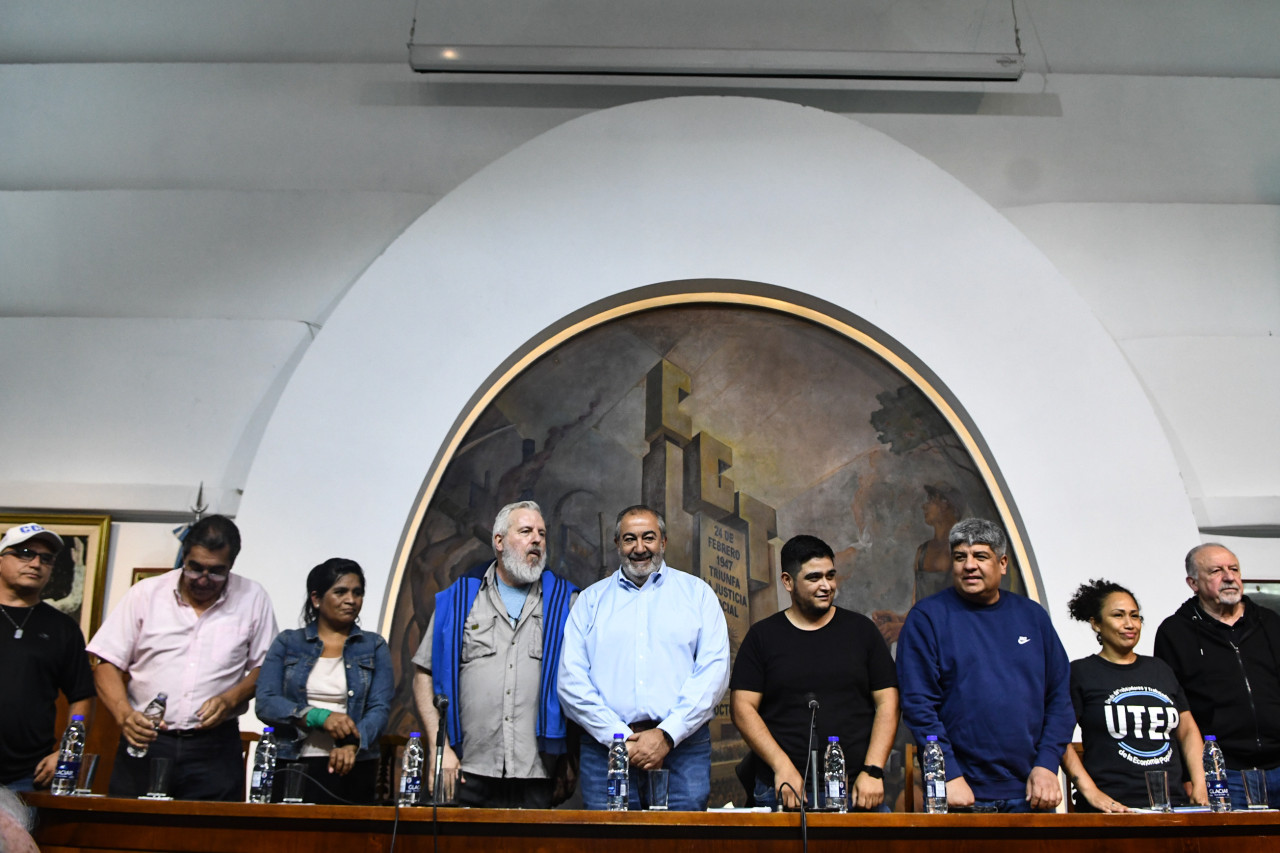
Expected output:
{"points": [[26, 555], [194, 570]]}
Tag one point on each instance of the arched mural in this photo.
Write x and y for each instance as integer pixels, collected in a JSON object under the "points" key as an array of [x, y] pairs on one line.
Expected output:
{"points": [[746, 414]]}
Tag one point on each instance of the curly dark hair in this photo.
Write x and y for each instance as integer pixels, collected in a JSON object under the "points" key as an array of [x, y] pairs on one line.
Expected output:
{"points": [[1086, 604]]}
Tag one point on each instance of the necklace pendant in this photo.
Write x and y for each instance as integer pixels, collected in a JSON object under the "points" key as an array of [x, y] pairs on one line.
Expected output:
{"points": [[17, 634]]}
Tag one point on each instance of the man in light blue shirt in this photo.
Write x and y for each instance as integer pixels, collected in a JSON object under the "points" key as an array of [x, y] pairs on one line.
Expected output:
{"points": [[646, 654]]}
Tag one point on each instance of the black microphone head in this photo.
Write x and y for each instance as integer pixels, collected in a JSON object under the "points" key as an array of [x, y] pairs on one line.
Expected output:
{"points": [[812, 699], [441, 702]]}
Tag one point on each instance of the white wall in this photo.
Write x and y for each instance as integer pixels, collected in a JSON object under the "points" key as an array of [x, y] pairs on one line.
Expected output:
{"points": [[723, 188]]}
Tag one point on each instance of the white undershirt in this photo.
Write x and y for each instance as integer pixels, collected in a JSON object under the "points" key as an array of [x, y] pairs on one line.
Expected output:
{"points": [[326, 689]]}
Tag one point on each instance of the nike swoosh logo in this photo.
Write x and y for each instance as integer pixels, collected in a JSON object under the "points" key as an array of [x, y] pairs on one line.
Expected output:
{"points": [[1022, 641]]}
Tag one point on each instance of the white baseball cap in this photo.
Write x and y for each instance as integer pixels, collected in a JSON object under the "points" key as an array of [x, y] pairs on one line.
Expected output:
{"points": [[20, 533]]}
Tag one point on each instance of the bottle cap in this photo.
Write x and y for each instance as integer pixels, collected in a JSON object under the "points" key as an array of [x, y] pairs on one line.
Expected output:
{"points": [[833, 739], [79, 717], [267, 730], [931, 737], [617, 735], [1210, 737], [415, 734]]}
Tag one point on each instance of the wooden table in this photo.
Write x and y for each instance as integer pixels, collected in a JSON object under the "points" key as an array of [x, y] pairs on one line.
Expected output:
{"points": [[100, 824]]}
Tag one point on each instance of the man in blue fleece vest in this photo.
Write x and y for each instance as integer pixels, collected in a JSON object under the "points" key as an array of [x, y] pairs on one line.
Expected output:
{"points": [[985, 672], [493, 650]]}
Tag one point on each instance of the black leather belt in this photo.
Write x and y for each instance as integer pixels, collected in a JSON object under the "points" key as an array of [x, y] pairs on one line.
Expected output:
{"points": [[644, 725]]}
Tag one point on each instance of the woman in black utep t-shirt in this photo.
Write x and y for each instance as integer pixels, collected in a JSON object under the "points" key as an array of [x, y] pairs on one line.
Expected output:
{"points": [[1132, 712]]}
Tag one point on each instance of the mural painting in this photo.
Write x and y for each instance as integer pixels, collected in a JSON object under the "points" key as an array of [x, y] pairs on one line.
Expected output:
{"points": [[744, 426]]}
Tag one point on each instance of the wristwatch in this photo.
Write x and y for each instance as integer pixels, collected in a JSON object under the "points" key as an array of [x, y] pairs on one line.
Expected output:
{"points": [[873, 771]]}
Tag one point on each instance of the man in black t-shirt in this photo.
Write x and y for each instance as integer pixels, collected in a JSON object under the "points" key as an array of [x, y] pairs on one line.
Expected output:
{"points": [[815, 651], [41, 652]]}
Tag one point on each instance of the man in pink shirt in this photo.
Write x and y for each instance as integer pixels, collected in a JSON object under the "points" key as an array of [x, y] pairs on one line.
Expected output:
{"points": [[197, 634]]}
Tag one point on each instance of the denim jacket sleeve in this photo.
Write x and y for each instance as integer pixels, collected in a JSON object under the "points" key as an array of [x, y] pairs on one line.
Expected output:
{"points": [[377, 708], [271, 703]]}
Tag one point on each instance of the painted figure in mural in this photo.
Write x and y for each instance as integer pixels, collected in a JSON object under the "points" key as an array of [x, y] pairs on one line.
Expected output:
{"points": [[326, 689], [1131, 711], [814, 651], [1225, 649], [932, 565], [492, 651], [198, 634], [985, 672], [41, 653], [941, 509], [646, 654]]}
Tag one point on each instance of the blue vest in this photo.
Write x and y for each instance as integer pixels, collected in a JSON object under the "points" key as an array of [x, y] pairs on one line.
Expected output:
{"points": [[452, 607]]}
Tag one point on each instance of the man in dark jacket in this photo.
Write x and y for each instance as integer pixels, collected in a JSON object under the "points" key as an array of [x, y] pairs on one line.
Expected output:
{"points": [[1225, 650]]}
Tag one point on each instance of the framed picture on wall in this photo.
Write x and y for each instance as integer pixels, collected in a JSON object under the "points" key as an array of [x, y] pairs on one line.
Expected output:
{"points": [[79, 576], [143, 574]]}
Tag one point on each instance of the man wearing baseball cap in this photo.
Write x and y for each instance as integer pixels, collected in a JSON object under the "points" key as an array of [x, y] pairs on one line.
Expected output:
{"points": [[41, 653]]}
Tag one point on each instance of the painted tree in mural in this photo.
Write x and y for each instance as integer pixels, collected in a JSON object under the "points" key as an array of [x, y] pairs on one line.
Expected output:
{"points": [[907, 421]]}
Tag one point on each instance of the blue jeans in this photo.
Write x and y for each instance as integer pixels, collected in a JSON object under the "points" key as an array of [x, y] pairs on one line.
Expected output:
{"points": [[768, 797], [1235, 784], [689, 763], [1014, 806], [26, 783]]}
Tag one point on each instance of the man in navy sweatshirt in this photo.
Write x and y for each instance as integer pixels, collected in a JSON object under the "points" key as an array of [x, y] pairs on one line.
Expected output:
{"points": [[985, 672]]}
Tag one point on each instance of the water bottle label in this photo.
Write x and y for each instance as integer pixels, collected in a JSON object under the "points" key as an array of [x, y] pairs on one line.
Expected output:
{"points": [[835, 789], [937, 788], [410, 784], [257, 779], [617, 787], [67, 771], [1217, 788]]}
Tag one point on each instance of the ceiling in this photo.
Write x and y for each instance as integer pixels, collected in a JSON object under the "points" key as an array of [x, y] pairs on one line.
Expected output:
{"points": [[1160, 37], [241, 162]]}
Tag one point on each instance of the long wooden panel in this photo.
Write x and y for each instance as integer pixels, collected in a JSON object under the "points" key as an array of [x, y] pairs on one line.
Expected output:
{"points": [[113, 826]]}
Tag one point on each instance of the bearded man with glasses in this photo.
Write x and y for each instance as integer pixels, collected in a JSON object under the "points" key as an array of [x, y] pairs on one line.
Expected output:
{"points": [[41, 653], [199, 635]]}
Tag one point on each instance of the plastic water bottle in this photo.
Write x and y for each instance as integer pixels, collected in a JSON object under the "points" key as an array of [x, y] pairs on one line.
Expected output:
{"points": [[69, 756], [935, 776], [264, 768], [1215, 775], [155, 713], [411, 771], [833, 776], [617, 797]]}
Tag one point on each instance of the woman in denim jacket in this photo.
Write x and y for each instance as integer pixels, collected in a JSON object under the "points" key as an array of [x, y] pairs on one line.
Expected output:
{"points": [[326, 688]]}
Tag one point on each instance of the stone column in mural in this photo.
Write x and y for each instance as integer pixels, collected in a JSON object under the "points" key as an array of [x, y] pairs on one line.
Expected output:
{"points": [[667, 430], [722, 535]]}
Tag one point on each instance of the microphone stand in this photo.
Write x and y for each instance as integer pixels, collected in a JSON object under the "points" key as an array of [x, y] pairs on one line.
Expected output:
{"points": [[442, 733], [809, 757]]}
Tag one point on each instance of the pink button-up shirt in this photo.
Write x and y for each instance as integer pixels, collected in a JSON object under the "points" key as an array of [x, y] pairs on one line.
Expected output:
{"points": [[157, 638]]}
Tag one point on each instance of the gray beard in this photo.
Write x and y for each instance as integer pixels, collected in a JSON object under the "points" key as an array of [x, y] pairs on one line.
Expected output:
{"points": [[639, 575], [521, 572]]}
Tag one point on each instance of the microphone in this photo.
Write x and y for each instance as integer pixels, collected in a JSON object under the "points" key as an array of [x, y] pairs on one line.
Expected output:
{"points": [[811, 757], [441, 703]]}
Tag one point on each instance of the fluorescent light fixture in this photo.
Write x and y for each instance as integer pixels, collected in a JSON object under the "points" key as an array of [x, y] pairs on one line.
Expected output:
{"points": [[473, 59]]}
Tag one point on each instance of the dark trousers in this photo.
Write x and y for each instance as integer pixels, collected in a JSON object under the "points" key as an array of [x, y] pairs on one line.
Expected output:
{"points": [[488, 792], [206, 765], [325, 788]]}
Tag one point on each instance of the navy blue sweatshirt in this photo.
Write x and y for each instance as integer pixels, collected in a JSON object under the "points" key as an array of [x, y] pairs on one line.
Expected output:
{"points": [[993, 683]]}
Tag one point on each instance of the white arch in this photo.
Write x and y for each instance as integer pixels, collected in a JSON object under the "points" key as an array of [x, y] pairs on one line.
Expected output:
{"points": [[711, 187]]}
